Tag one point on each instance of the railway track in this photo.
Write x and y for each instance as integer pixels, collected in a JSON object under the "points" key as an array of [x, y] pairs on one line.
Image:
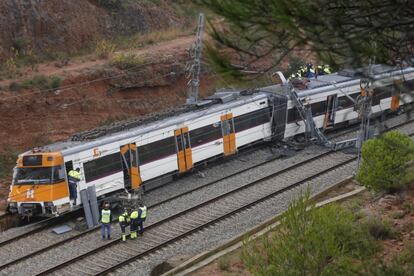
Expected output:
{"points": [[114, 254], [37, 246], [153, 226]]}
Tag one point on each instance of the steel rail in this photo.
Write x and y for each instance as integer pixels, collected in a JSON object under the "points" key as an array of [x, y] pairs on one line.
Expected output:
{"points": [[165, 201], [43, 224], [206, 203]]}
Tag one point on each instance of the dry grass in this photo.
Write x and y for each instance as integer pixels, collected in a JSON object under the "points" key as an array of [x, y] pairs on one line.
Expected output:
{"points": [[142, 40]]}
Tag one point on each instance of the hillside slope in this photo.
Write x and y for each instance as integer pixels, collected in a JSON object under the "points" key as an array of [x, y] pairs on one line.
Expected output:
{"points": [[69, 25]]}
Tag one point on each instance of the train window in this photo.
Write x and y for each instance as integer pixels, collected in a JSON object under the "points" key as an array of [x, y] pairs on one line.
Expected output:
{"points": [[252, 119], [318, 108], [381, 93], [344, 102], [43, 175], [293, 115], [156, 150], [58, 174], [179, 140], [102, 166], [408, 86], [32, 160], [205, 134]]}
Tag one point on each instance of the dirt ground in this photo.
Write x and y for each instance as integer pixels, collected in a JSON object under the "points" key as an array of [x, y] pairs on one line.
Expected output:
{"points": [[76, 66], [33, 117], [397, 209]]}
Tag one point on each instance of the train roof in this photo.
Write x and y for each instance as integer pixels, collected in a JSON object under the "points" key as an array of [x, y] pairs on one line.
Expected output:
{"points": [[349, 77], [341, 79], [218, 102]]}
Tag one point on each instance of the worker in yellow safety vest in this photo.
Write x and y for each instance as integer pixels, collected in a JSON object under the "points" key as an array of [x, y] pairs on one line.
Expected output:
{"points": [[106, 219], [142, 215], [124, 221], [324, 69], [73, 179], [134, 224]]}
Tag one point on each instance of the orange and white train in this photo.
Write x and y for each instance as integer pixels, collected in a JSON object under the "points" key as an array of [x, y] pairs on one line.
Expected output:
{"points": [[219, 126]]}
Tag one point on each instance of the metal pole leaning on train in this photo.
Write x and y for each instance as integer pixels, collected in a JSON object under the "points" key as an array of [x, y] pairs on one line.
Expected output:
{"points": [[364, 106]]}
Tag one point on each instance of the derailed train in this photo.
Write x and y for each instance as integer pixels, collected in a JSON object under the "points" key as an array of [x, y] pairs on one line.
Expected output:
{"points": [[219, 126]]}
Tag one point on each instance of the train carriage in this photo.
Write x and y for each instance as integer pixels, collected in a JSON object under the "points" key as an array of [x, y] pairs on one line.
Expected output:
{"points": [[222, 124], [131, 158]]}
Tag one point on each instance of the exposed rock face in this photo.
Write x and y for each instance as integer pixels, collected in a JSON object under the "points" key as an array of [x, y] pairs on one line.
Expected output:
{"points": [[68, 25]]}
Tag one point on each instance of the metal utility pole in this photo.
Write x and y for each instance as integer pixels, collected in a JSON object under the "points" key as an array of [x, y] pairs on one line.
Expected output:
{"points": [[365, 104], [194, 74]]}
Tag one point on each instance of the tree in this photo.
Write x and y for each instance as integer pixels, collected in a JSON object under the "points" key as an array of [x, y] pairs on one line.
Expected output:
{"points": [[310, 241], [386, 162], [340, 33]]}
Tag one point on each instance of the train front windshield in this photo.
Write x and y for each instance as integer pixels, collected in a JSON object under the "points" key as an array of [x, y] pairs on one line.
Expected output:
{"points": [[44, 175]]}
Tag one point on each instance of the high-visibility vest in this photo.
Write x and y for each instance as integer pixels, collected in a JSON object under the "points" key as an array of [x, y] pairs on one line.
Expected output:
{"points": [[74, 174], [134, 215], [123, 218], [326, 70], [143, 212], [106, 216]]}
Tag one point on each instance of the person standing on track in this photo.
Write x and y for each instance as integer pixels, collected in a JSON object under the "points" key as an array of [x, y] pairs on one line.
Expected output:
{"points": [[134, 224], [106, 219], [73, 179], [142, 215], [123, 223]]}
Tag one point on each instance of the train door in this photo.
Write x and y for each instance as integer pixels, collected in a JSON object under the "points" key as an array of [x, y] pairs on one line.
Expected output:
{"points": [[331, 106], [395, 99], [129, 156], [184, 153], [229, 136]]}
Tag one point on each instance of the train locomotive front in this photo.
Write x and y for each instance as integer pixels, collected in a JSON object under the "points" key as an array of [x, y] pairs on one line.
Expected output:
{"points": [[39, 185]]}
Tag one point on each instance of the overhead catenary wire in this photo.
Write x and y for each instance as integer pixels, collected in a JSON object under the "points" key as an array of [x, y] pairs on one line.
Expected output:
{"points": [[205, 147]]}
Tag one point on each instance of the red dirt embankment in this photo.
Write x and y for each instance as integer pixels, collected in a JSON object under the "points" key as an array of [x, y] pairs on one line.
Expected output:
{"points": [[93, 94], [66, 26], [89, 97]]}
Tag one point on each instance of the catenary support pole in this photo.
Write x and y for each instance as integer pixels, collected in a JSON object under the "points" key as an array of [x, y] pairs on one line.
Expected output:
{"points": [[86, 208], [94, 204]]}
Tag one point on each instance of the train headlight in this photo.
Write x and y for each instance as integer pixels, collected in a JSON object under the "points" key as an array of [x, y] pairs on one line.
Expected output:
{"points": [[48, 204]]}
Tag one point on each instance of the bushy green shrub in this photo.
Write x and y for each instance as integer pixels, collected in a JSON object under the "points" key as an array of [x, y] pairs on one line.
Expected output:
{"points": [[310, 242], [55, 82], [224, 263], [386, 162]]}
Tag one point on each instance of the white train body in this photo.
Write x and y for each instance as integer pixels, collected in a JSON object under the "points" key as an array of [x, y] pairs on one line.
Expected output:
{"points": [[149, 152]]}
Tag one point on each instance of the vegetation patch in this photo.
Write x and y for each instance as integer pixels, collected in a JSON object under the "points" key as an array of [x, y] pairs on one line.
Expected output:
{"points": [[379, 229], [387, 162], [127, 61], [104, 48], [41, 82], [8, 158], [310, 241]]}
